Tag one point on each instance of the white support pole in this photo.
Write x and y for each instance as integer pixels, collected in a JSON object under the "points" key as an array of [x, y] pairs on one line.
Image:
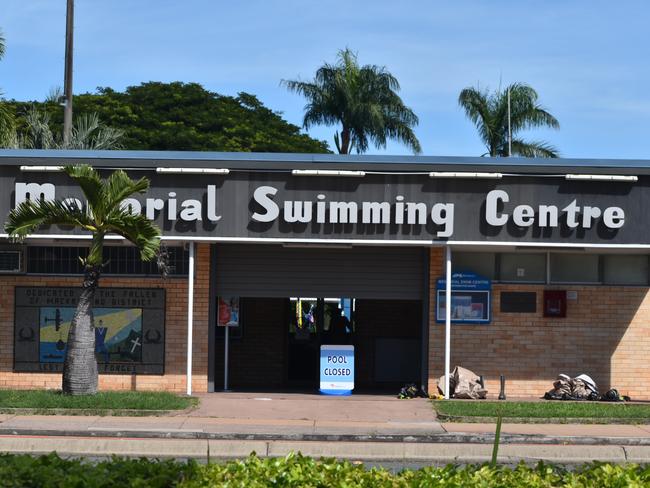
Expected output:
{"points": [[226, 345], [190, 316], [447, 320]]}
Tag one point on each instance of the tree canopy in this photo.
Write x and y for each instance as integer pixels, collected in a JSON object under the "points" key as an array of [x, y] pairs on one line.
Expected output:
{"points": [[489, 113], [7, 123], [362, 100], [184, 117]]}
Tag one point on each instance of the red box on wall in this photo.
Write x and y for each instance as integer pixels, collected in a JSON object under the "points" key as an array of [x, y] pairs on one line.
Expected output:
{"points": [[555, 303]]}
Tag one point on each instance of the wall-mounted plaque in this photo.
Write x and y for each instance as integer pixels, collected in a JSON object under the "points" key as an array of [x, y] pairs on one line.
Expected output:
{"points": [[518, 302], [129, 329]]}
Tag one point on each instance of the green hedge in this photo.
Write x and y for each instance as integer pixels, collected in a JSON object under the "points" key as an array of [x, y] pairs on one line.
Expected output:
{"points": [[298, 471], [52, 471]]}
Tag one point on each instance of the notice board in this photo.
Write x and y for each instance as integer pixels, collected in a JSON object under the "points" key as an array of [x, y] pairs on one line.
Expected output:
{"points": [[471, 299]]}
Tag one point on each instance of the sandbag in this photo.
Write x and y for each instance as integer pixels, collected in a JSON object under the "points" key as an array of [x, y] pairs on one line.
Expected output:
{"points": [[463, 384], [582, 387]]}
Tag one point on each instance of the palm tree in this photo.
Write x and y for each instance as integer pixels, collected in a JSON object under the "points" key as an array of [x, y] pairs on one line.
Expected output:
{"points": [[362, 99], [102, 215], [88, 132], [489, 112]]}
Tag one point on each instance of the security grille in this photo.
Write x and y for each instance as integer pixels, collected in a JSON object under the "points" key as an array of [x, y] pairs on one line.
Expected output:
{"points": [[10, 261]]}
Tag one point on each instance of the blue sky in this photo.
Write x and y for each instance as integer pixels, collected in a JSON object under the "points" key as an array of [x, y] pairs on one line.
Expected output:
{"points": [[589, 60]]}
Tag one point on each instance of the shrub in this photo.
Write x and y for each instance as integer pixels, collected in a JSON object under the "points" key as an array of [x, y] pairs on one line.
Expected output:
{"points": [[295, 470], [53, 471]]}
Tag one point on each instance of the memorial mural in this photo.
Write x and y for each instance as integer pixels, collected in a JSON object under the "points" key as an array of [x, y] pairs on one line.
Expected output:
{"points": [[129, 329]]}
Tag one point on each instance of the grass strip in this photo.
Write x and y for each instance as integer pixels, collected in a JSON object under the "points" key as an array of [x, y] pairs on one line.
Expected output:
{"points": [[543, 410], [105, 400]]}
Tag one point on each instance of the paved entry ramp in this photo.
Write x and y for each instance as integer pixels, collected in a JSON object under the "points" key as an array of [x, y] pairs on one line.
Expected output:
{"points": [[309, 414]]}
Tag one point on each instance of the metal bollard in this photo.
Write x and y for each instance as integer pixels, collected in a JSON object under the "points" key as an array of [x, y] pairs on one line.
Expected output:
{"points": [[502, 393]]}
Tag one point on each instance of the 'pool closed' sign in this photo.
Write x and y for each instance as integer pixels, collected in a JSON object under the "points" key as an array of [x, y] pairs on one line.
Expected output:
{"points": [[336, 369]]}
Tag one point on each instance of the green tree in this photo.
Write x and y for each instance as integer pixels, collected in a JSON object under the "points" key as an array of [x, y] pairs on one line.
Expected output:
{"points": [[184, 117], [7, 122], [489, 112], [103, 214], [362, 100]]}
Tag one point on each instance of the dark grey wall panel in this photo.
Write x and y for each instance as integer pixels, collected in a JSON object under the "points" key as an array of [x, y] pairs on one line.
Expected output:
{"points": [[215, 207], [360, 272]]}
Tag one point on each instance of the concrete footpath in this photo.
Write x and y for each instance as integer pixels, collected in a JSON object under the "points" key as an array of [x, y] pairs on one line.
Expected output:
{"points": [[376, 429]]}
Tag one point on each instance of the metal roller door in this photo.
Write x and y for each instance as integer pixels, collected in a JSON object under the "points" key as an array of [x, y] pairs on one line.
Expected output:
{"points": [[361, 272]]}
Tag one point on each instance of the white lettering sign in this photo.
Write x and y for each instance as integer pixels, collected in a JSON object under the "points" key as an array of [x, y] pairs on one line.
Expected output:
{"points": [[549, 215], [499, 211], [338, 212]]}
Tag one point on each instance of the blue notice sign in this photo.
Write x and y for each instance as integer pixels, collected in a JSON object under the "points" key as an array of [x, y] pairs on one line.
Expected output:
{"points": [[470, 299], [336, 369]]}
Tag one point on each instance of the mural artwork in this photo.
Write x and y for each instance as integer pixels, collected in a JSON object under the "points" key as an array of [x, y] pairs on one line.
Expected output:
{"points": [[118, 334], [129, 329]]}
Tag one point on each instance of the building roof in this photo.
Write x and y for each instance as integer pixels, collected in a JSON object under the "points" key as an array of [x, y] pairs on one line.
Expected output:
{"points": [[288, 161]]}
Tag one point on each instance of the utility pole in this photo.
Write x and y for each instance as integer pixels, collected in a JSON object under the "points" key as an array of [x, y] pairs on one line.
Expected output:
{"points": [[67, 76], [509, 128]]}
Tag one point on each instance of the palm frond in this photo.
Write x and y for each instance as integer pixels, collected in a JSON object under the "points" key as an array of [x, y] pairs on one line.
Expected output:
{"points": [[137, 229], [38, 135], [89, 133], [8, 135], [119, 186], [30, 215], [54, 94], [476, 104], [534, 149], [90, 182]]}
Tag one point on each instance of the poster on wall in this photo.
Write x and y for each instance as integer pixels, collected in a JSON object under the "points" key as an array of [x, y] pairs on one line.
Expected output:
{"points": [[228, 314], [129, 329], [470, 299]]}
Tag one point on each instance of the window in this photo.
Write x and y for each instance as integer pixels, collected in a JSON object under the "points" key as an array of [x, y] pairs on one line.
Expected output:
{"points": [[481, 263], [626, 269], [574, 268], [55, 260], [522, 267], [120, 260]]}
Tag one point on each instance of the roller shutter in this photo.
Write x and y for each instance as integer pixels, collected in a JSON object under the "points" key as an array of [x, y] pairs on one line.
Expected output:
{"points": [[360, 272]]}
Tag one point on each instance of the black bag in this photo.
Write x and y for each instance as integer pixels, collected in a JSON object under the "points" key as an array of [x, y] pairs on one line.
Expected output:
{"points": [[612, 396], [411, 391]]}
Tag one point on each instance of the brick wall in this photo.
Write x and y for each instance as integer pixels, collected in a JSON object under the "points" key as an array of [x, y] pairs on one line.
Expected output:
{"points": [[175, 327], [606, 335]]}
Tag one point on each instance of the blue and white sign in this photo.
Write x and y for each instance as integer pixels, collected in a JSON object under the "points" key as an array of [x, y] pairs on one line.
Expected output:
{"points": [[470, 299], [336, 369]]}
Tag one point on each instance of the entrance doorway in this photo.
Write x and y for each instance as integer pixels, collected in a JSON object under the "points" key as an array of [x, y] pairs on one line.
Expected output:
{"points": [[313, 322], [277, 346], [381, 292]]}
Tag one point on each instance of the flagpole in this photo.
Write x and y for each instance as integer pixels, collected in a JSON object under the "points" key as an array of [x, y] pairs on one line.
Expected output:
{"points": [[67, 75], [509, 127]]}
